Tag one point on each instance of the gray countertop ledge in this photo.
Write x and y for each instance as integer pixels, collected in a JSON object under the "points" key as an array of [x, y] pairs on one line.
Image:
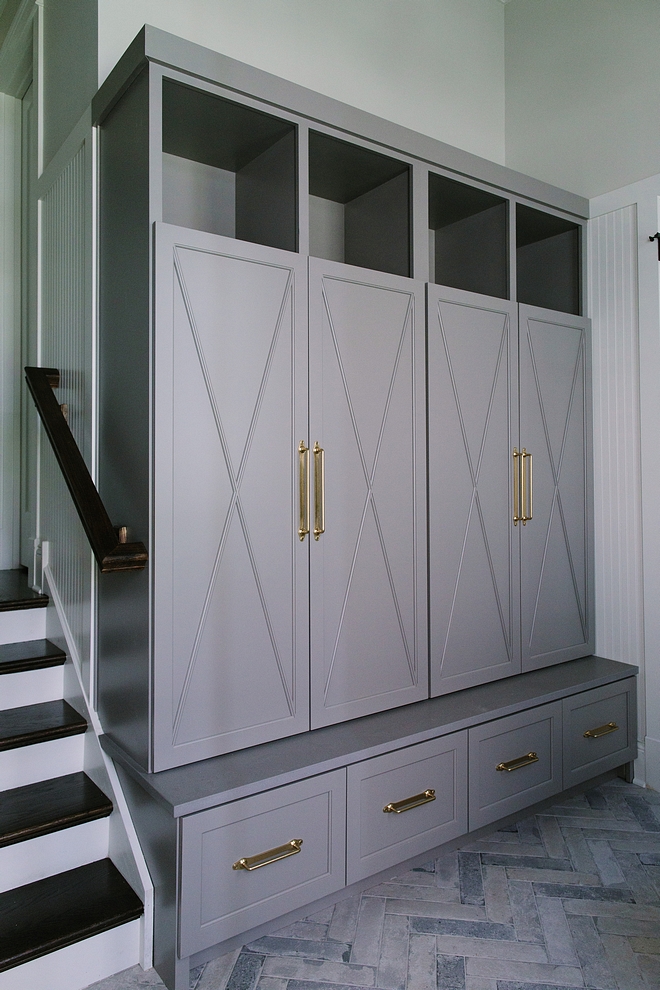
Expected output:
{"points": [[208, 783]]}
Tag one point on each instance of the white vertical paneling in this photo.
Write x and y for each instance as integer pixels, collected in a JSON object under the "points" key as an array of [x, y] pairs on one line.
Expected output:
{"points": [[614, 308], [66, 330], [10, 341]]}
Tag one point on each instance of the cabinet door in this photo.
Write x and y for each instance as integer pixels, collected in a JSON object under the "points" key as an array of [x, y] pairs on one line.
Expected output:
{"points": [[473, 573], [368, 617], [556, 544], [230, 574]]}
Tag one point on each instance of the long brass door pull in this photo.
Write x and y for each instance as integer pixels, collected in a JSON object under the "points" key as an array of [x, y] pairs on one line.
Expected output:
{"points": [[522, 761], [303, 490], [250, 863], [319, 490], [523, 484], [602, 730], [407, 804]]}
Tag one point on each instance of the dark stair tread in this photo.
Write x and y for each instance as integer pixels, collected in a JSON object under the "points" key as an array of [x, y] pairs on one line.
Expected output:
{"points": [[39, 723], [16, 593], [50, 805], [49, 914], [32, 655]]}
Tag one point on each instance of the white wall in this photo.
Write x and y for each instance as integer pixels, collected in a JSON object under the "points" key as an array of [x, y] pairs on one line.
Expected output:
{"points": [[583, 91], [436, 66], [10, 315], [625, 298]]}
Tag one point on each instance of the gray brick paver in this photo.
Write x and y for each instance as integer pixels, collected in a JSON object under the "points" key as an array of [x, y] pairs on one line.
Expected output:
{"points": [[366, 944], [623, 963], [558, 940], [525, 916]]}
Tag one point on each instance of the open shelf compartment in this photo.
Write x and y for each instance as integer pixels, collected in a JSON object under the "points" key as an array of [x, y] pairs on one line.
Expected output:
{"points": [[468, 240], [359, 206], [547, 260], [228, 169]]}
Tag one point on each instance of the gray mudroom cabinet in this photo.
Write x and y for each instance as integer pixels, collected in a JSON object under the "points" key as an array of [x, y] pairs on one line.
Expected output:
{"points": [[344, 399]]}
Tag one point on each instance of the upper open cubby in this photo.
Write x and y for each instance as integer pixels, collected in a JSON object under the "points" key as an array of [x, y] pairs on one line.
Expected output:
{"points": [[227, 168], [468, 240], [548, 260], [359, 206]]}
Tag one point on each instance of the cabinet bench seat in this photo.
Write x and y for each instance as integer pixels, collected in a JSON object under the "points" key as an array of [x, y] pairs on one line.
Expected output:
{"points": [[334, 783]]}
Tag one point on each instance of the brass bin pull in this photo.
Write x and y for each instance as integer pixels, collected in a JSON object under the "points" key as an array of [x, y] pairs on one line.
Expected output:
{"points": [[398, 807], [602, 730], [517, 515], [303, 486], [250, 863], [522, 761], [319, 490]]}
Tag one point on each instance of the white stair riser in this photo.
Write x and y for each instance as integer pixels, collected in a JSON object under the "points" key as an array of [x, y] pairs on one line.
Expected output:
{"points": [[22, 624], [28, 764], [34, 859], [76, 966], [31, 687]]}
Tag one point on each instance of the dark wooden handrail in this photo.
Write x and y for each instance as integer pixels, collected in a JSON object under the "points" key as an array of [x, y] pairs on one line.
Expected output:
{"points": [[111, 554]]}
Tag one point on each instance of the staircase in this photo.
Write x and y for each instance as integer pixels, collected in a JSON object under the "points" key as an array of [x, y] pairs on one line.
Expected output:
{"points": [[67, 916]]}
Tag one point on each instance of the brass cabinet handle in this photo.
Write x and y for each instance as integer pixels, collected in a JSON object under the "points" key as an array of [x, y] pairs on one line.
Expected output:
{"points": [[319, 490], [303, 485], [602, 730], [522, 488], [526, 494], [250, 863], [398, 807], [522, 761], [517, 515]]}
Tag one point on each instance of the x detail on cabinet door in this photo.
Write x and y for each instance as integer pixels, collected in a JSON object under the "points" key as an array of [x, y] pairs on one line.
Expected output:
{"points": [[368, 601]]}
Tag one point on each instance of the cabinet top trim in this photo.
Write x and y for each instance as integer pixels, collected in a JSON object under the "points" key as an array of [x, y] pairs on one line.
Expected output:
{"points": [[194, 787], [154, 45]]}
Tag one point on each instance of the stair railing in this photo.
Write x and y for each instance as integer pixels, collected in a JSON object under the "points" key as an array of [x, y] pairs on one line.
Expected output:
{"points": [[109, 545]]}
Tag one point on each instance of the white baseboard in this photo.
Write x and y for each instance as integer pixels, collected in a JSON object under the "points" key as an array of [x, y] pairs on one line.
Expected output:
{"points": [[34, 859], [640, 766], [76, 966], [652, 751]]}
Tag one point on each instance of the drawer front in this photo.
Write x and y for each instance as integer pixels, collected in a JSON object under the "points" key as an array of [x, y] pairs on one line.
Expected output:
{"points": [[377, 839], [218, 901], [495, 792], [596, 713]]}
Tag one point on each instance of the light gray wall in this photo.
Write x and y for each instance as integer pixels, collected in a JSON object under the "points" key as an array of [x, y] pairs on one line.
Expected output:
{"points": [[582, 91], [69, 65], [436, 66]]}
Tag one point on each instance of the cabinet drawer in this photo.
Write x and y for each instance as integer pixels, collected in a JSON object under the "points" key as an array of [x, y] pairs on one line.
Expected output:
{"points": [[607, 714], [218, 900], [495, 792], [377, 838]]}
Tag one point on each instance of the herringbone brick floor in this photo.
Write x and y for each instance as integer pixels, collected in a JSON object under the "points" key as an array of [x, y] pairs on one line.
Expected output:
{"points": [[569, 898]]}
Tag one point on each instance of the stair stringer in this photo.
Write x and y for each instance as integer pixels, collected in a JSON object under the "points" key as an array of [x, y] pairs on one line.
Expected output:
{"points": [[123, 845]]}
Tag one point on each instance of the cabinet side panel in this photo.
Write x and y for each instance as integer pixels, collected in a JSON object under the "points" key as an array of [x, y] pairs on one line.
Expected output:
{"points": [[266, 197], [377, 227], [472, 374], [124, 420]]}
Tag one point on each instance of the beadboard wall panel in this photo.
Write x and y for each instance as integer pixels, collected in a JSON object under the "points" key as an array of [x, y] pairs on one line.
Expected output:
{"points": [[65, 282], [614, 309]]}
